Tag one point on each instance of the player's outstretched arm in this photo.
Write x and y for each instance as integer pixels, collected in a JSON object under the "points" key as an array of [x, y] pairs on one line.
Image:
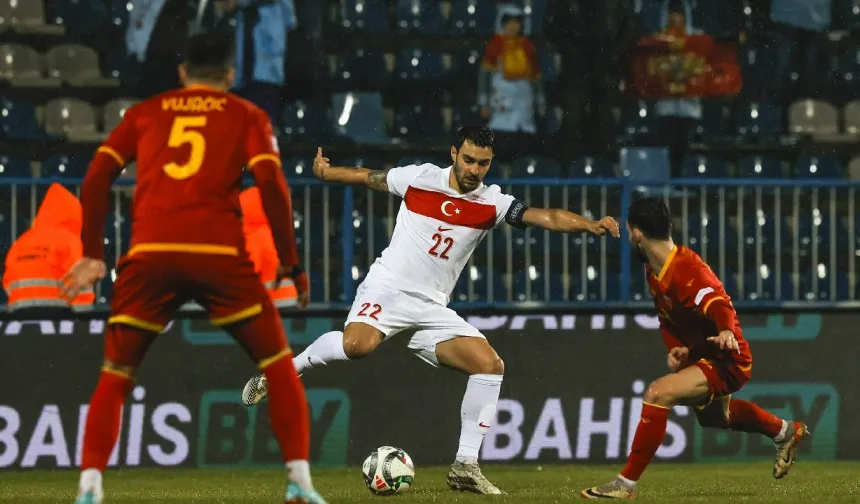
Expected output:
{"points": [[557, 219], [374, 179]]}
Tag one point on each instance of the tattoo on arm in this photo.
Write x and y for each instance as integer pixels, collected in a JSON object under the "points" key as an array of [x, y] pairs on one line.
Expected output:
{"points": [[378, 180]]}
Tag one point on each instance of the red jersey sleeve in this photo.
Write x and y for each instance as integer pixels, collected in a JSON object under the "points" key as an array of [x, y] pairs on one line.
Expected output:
{"points": [[106, 165], [264, 161], [667, 331], [701, 291]]}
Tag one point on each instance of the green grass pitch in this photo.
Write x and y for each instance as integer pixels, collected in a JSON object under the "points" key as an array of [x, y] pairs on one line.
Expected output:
{"points": [[833, 482]]}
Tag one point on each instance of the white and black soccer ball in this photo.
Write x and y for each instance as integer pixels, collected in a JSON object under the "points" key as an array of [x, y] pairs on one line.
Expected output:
{"points": [[388, 470]]}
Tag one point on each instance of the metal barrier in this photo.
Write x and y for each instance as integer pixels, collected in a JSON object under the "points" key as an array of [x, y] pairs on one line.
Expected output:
{"points": [[771, 241]]}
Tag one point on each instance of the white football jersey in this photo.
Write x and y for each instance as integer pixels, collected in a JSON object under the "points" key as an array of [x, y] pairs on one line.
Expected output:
{"points": [[438, 229]]}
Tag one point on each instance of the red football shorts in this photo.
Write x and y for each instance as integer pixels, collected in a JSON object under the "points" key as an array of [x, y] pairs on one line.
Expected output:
{"points": [[725, 377], [152, 286]]}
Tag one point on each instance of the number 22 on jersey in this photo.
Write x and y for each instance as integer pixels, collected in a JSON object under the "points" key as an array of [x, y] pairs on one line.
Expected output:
{"points": [[441, 246], [185, 130]]}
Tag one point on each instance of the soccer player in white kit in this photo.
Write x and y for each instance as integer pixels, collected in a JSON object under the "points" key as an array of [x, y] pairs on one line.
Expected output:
{"points": [[445, 214]]}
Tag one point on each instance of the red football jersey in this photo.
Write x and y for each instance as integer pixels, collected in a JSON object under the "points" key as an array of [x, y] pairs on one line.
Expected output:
{"points": [[693, 306], [190, 145]]}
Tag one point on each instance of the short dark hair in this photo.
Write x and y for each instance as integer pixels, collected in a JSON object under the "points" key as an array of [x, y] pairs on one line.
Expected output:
{"points": [[651, 216], [209, 55], [480, 136]]}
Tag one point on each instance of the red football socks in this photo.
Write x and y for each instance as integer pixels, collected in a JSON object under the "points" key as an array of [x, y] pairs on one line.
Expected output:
{"points": [[288, 409], [649, 436], [103, 420], [745, 416]]}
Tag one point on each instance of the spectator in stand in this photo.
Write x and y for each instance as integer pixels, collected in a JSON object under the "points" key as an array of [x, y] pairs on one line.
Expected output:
{"points": [[261, 28], [510, 87], [800, 35], [156, 36]]}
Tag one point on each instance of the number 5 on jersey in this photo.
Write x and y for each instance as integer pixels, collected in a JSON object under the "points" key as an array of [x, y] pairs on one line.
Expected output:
{"points": [[443, 242], [185, 131]]}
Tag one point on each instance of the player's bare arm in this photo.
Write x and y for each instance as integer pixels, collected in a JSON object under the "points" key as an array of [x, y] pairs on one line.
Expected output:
{"points": [[374, 179], [557, 219]]}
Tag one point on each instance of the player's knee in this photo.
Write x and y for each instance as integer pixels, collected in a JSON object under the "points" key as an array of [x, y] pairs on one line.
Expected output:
{"points": [[488, 363], [357, 344], [659, 393]]}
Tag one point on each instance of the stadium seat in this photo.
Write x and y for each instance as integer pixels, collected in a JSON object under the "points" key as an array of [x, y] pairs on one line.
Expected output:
{"points": [[361, 69], [359, 116], [363, 162], [699, 165], [18, 13], [813, 117], [18, 121], [71, 118], [116, 64], [591, 167], [113, 111], [366, 16], [757, 62], [79, 17], [759, 167], [482, 290], [637, 120], [76, 64], [769, 289], [550, 123], [418, 122], [306, 121], [21, 65], [846, 75], [419, 16], [536, 167], [65, 166], [13, 166], [645, 163], [715, 120], [590, 287], [472, 17], [703, 235], [298, 167], [417, 66], [529, 284], [758, 227], [758, 121], [819, 224], [464, 68], [461, 116], [823, 290], [851, 117], [535, 11], [817, 167], [119, 12], [420, 160]]}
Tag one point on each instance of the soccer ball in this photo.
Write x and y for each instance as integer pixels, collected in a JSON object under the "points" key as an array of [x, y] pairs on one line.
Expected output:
{"points": [[388, 470]]}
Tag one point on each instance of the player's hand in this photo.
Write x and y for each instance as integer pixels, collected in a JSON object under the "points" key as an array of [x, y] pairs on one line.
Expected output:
{"points": [[83, 275], [726, 341], [606, 225], [677, 358], [321, 164], [300, 280]]}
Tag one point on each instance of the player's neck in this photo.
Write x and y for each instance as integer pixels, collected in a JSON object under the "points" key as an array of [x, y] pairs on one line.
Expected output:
{"points": [[452, 182], [658, 253], [197, 83]]}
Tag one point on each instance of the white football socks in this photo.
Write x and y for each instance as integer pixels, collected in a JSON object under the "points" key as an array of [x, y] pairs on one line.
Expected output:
{"points": [[477, 414], [91, 480], [327, 348], [300, 472]]}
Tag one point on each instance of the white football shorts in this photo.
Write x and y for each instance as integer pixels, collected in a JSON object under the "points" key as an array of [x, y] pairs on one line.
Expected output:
{"points": [[381, 304]]}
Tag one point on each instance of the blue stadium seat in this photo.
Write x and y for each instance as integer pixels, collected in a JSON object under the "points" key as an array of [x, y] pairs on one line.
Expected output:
{"points": [[361, 69], [759, 167], [757, 63], [591, 167], [529, 284], [768, 225], [417, 66], [317, 281], [550, 123], [419, 122], [823, 289], [472, 17], [14, 166], [298, 167], [645, 163], [699, 227], [365, 16], [359, 116], [18, 121], [116, 64], [699, 165], [820, 224], [419, 16], [818, 167], [730, 284], [637, 120], [715, 120], [769, 287], [531, 167], [480, 279], [846, 75], [590, 287], [306, 121], [465, 66], [757, 120], [65, 166], [548, 67]]}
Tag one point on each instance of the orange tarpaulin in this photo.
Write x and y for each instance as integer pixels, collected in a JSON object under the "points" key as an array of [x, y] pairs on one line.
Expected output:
{"points": [[678, 66]]}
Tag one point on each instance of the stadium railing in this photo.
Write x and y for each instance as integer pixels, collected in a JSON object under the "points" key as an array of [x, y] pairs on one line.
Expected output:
{"points": [[773, 242]]}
